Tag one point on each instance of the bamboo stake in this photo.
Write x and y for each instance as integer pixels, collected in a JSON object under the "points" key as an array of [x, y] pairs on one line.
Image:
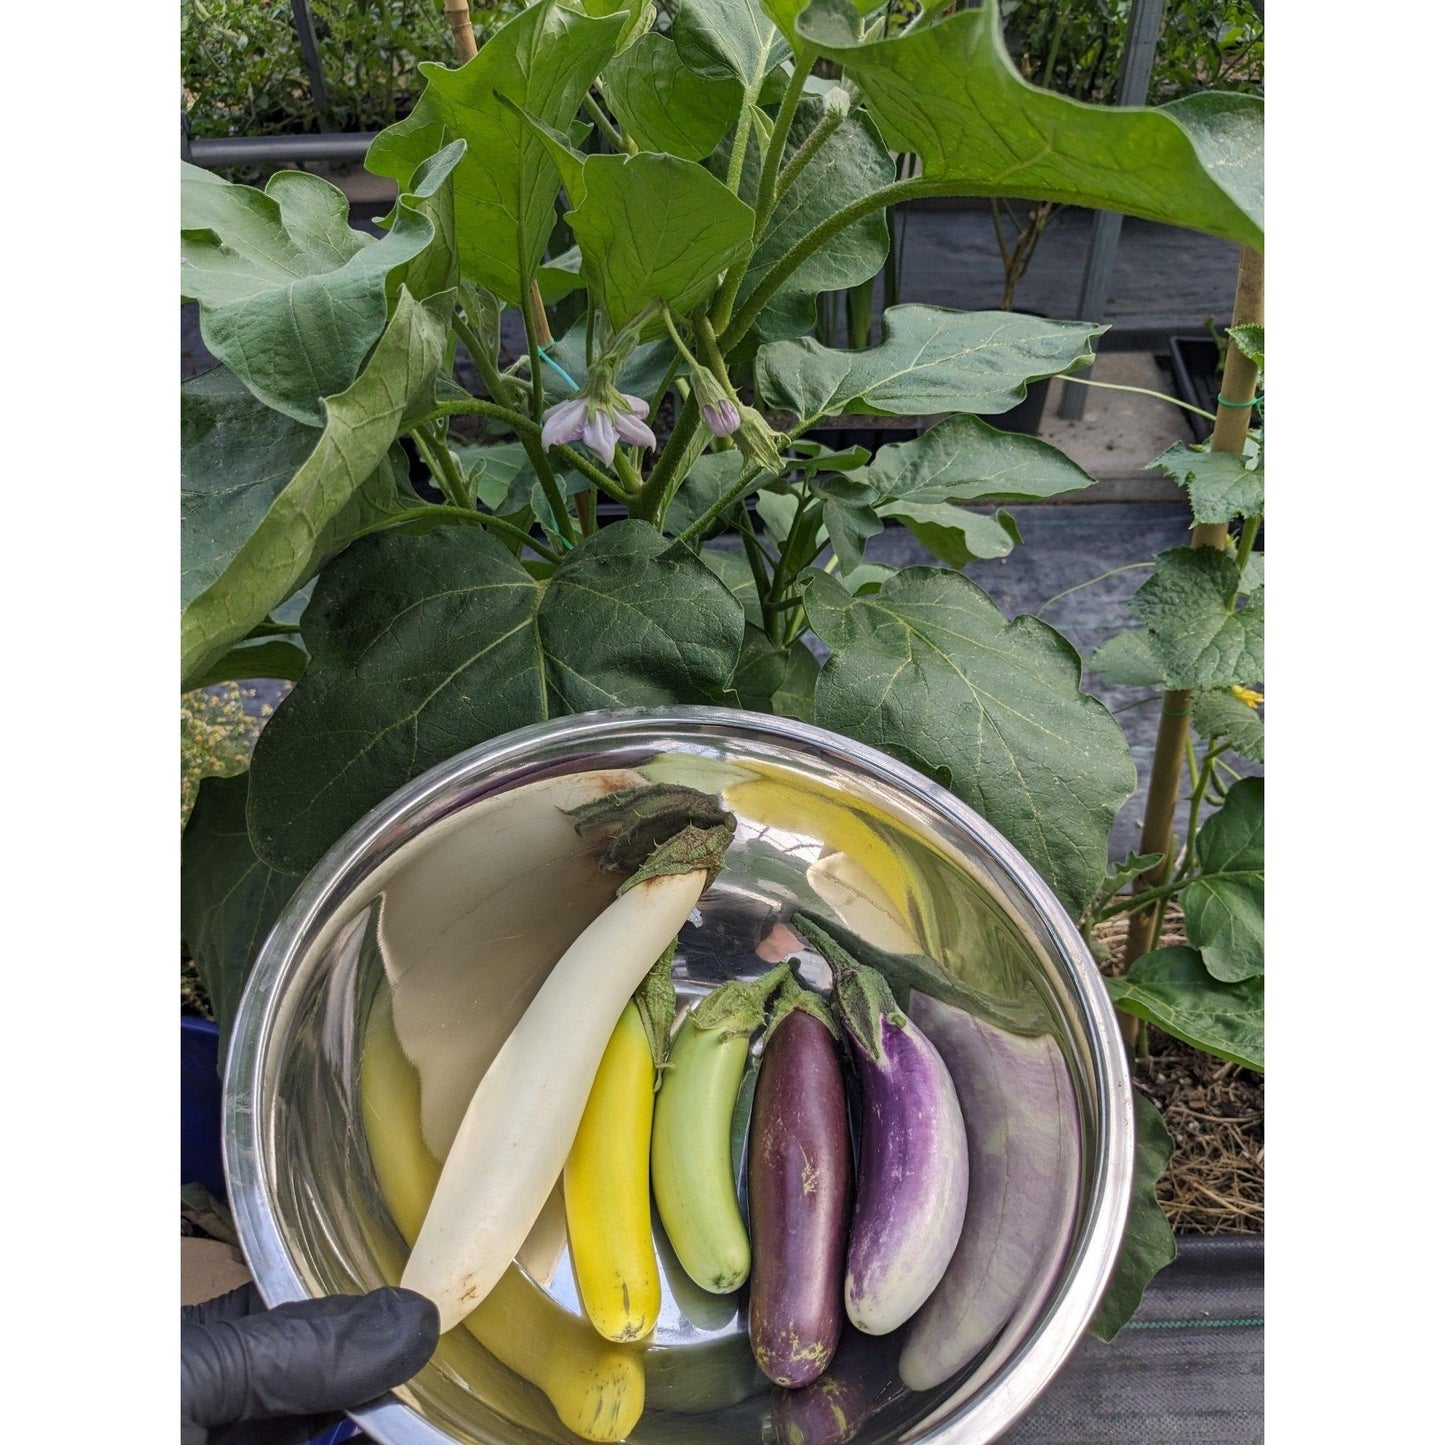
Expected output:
{"points": [[1231, 426], [459, 15]]}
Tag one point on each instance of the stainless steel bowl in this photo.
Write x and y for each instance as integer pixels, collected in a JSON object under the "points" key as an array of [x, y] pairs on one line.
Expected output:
{"points": [[410, 951]]}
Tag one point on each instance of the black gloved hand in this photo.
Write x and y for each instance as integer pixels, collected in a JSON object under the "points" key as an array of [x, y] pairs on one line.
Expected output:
{"points": [[257, 1376]]}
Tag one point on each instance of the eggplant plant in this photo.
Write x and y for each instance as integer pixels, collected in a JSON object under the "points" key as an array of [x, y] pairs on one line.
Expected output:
{"points": [[685, 185]]}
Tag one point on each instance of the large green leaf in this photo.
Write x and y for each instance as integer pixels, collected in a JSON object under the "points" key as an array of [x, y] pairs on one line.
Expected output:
{"points": [[1224, 905], [654, 227], [258, 536], [292, 299], [1172, 989], [1218, 713], [930, 360], [663, 105], [505, 187], [963, 459], [229, 898], [794, 696], [422, 646], [1194, 629], [710, 478], [1148, 1239], [928, 669], [256, 657], [1128, 661], [852, 163], [949, 93], [718, 38], [1220, 486]]}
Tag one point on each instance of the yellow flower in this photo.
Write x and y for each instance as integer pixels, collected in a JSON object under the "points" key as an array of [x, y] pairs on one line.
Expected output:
{"points": [[1247, 695]]}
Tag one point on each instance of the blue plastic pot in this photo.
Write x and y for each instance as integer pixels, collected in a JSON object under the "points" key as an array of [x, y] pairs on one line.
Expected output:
{"points": [[201, 1138], [201, 1106]]}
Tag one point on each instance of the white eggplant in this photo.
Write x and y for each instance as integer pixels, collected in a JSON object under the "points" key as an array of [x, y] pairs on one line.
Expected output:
{"points": [[519, 1126]]}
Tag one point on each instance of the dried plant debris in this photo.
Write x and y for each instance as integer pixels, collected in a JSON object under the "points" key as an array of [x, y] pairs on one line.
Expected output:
{"points": [[1215, 1114]]}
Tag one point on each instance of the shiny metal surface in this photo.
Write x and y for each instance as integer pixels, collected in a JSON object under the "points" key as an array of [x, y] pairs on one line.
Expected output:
{"points": [[408, 954]]}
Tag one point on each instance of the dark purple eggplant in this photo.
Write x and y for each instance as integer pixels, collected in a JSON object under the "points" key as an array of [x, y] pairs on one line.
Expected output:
{"points": [[839, 1403], [912, 1150], [800, 1192], [1024, 1136]]}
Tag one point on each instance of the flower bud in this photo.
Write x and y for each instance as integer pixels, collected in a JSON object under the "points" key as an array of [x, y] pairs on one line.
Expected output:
{"points": [[718, 405], [757, 441]]}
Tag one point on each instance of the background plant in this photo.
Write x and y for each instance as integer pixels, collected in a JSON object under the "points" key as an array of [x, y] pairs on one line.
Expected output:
{"points": [[242, 70], [1076, 48], [711, 187]]}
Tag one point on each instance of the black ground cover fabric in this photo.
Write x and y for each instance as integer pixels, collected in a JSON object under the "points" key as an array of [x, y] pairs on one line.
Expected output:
{"points": [[1189, 1367]]}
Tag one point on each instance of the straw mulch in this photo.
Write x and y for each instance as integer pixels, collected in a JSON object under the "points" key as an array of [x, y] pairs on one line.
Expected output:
{"points": [[1215, 1115]]}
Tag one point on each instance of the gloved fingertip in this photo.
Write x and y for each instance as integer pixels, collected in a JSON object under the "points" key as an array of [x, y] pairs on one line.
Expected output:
{"points": [[409, 1322]]}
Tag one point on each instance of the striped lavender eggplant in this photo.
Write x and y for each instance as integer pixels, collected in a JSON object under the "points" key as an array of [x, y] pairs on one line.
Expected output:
{"points": [[912, 1150], [800, 1190], [1023, 1132]]}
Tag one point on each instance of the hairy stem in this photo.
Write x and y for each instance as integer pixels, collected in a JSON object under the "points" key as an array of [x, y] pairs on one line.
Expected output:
{"points": [[619, 142], [804, 247], [460, 514], [499, 388], [798, 161], [443, 467]]}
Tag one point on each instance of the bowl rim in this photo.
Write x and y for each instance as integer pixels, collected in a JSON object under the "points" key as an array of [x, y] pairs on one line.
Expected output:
{"points": [[398, 818]]}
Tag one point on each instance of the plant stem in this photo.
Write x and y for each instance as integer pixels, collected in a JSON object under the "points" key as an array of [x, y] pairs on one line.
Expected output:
{"points": [[650, 504], [804, 153], [751, 479], [768, 190], [587, 513], [499, 388], [526, 430], [757, 558], [683, 349], [631, 477], [534, 363], [443, 468], [1079, 587], [804, 247], [1231, 428], [751, 90], [1245, 545], [459, 514], [619, 142], [1141, 391]]}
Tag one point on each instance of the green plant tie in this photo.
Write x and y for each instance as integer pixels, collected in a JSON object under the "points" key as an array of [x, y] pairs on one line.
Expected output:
{"points": [[1253, 401], [556, 366]]}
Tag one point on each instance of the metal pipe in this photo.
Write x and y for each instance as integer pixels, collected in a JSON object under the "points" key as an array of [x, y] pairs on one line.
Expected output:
{"points": [[311, 53], [1140, 42], [247, 150]]}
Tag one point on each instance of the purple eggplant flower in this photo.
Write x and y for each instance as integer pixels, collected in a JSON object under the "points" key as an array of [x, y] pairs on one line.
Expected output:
{"points": [[600, 433], [564, 422], [600, 423], [631, 428], [722, 418]]}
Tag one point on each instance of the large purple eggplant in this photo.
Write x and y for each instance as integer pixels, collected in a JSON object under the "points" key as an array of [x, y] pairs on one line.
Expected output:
{"points": [[839, 1403], [1023, 1135], [800, 1190], [912, 1150]]}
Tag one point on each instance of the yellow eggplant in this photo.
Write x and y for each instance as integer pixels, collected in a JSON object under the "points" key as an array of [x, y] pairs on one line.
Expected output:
{"points": [[605, 1187], [596, 1388]]}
